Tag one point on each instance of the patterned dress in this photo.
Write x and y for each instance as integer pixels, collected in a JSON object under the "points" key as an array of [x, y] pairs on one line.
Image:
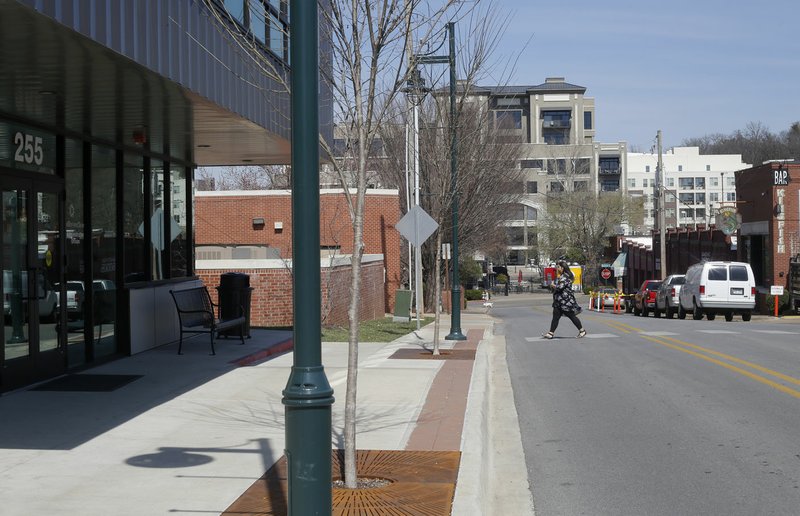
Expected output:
{"points": [[563, 297]]}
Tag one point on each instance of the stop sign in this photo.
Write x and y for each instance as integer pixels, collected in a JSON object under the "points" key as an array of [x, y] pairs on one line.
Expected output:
{"points": [[605, 273]]}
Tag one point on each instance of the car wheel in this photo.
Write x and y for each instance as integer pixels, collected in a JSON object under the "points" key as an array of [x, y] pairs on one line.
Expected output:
{"points": [[728, 316], [669, 313], [697, 314], [681, 312], [746, 316], [711, 316]]}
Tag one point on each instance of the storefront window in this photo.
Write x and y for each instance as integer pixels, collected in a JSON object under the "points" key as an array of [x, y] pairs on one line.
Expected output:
{"points": [[157, 218], [75, 267], [133, 219], [179, 246], [104, 256]]}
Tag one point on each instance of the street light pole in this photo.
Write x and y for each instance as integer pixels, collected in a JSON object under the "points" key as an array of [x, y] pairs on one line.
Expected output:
{"points": [[455, 290], [308, 396], [662, 232]]}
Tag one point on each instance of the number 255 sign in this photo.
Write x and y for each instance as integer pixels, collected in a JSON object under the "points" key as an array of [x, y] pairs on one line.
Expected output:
{"points": [[29, 149]]}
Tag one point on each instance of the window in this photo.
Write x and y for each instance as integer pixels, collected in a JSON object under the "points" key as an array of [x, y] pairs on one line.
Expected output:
{"points": [[609, 165], [713, 181], [133, 182], [719, 273], [713, 197], [555, 186], [671, 182], [700, 183], [708, 168], [508, 119], [276, 34], [647, 168], [559, 118], [556, 137], [531, 163], [179, 246], [587, 120], [631, 183], [730, 181], [533, 213], [680, 168], [738, 273], [580, 186], [532, 187], [258, 21], [730, 196], [236, 9], [686, 198], [686, 183], [700, 213], [700, 198]]}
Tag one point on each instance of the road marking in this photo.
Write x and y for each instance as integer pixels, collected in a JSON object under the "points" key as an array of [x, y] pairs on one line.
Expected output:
{"points": [[681, 346], [775, 332], [719, 331], [599, 336], [658, 333]]}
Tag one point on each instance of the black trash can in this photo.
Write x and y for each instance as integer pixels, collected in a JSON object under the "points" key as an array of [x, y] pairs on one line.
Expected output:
{"points": [[234, 300]]}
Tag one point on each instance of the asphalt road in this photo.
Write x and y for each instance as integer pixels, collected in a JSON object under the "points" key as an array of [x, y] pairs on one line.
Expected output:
{"points": [[656, 417]]}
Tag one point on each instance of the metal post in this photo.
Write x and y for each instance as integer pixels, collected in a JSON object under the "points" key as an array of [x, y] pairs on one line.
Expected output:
{"points": [[661, 209], [455, 311], [308, 396]]}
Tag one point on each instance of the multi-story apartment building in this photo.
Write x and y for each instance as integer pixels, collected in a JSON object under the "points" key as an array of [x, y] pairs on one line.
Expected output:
{"points": [[557, 124], [695, 185]]}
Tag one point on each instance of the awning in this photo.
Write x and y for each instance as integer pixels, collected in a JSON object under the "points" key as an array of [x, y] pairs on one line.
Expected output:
{"points": [[619, 265]]}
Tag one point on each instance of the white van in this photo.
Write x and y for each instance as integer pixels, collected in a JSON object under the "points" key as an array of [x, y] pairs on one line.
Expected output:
{"points": [[713, 288]]}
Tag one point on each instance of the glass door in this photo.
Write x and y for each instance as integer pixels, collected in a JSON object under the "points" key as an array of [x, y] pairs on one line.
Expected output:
{"points": [[33, 345]]}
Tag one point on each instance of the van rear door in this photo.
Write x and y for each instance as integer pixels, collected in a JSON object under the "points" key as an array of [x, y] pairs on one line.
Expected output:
{"points": [[716, 286], [739, 288]]}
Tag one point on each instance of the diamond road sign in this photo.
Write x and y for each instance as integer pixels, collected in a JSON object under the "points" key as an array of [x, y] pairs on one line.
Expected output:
{"points": [[416, 226]]}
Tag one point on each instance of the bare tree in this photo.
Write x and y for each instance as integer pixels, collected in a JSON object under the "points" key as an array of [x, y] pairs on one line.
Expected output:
{"points": [[260, 177], [579, 223]]}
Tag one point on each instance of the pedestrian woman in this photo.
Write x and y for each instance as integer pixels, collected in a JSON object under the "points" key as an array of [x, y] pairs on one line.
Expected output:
{"points": [[564, 300]]}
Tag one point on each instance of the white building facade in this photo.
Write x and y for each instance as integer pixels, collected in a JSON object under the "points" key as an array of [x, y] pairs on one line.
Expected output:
{"points": [[557, 124], [696, 185]]}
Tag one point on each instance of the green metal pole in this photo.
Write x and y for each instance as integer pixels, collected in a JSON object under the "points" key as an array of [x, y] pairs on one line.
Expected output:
{"points": [[455, 312], [308, 396]]}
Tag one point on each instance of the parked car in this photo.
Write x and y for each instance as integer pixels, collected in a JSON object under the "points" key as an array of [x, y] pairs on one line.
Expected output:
{"points": [[606, 295], [713, 288], [75, 297], [667, 296], [46, 295], [644, 301]]}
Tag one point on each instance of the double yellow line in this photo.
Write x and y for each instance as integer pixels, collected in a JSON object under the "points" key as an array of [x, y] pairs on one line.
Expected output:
{"points": [[718, 358]]}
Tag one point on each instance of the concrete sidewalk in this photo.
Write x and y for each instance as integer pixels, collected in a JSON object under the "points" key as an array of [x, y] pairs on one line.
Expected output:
{"points": [[190, 433]]}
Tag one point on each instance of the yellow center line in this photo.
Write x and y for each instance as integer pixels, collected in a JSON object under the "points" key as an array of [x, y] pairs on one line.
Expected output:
{"points": [[743, 372], [736, 360]]}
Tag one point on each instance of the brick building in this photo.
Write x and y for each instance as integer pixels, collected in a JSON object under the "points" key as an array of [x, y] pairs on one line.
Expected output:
{"points": [[251, 232], [769, 205]]}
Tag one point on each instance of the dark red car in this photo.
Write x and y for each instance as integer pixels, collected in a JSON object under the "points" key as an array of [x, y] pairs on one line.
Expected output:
{"points": [[644, 301]]}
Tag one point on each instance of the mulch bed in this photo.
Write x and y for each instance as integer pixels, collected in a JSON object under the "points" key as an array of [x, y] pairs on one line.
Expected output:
{"points": [[417, 482]]}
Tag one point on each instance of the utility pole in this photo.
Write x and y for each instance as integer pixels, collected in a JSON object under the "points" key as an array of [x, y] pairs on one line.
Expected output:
{"points": [[662, 230]]}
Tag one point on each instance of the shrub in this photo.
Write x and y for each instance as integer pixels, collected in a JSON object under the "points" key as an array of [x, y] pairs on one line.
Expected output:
{"points": [[473, 294], [502, 279]]}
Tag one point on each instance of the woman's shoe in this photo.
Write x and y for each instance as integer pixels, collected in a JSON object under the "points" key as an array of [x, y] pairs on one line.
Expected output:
{"points": [[548, 335], [581, 333]]}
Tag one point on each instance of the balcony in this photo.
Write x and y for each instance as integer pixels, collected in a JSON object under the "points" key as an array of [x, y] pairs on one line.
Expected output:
{"points": [[556, 124], [609, 171]]}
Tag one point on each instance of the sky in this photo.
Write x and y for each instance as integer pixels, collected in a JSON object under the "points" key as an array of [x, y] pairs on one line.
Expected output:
{"points": [[687, 68]]}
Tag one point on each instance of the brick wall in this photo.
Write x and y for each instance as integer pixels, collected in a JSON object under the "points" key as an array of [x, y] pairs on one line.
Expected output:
{"points": [[226, 218], [271, 298]]}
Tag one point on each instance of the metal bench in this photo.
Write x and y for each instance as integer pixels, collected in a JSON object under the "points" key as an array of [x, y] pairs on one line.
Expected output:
{"points": [[196, 315]]}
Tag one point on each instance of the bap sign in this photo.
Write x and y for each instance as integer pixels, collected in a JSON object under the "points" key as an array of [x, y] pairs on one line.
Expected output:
{"points": [[781, 177]]}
